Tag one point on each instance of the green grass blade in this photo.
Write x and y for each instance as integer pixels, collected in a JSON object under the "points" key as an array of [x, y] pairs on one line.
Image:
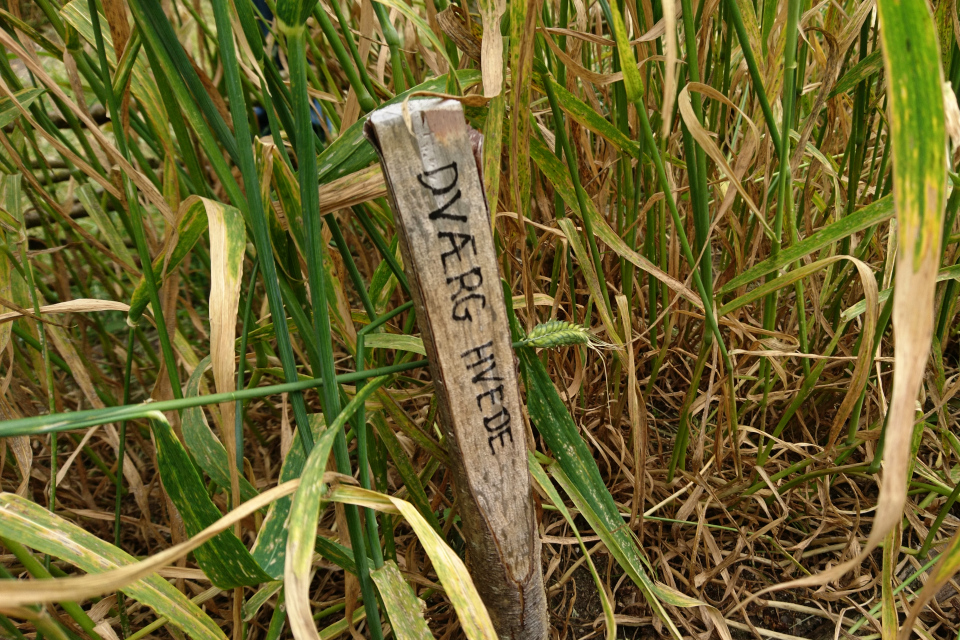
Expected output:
{"points": [[142, 85], [91, 203], [859, 72], [583, 114], [398, 341], [9, 111], [157, 22], [544, 481], [351, 151], [224, 559], [207, 451], [71, 420], [871, 215], [422, 27], [402, 462]]}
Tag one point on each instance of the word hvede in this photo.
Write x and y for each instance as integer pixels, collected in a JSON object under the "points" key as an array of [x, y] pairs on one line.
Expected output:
{"points": [[465, 279]]}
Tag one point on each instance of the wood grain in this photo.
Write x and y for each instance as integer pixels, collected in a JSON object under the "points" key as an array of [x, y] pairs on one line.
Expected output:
{"points": [[447, 244]]}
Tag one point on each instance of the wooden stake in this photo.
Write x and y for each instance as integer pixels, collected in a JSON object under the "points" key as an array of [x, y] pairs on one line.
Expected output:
{"points": [[441, 215]]}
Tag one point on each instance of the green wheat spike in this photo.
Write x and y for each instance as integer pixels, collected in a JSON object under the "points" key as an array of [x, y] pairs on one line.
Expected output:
{"points": [[556, 333]]}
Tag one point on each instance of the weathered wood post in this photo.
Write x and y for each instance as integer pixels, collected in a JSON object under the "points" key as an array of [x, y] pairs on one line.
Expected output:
{"points": [[441, 214]]}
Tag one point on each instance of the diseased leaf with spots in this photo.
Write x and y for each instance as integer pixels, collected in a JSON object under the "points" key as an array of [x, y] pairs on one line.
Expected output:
{"points": [[203, 445], [270, 547], [402, 605], [224, 559]]}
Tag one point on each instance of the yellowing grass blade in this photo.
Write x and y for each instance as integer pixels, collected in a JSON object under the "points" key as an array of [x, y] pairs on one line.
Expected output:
{"points": [[302, 523], [126, 576], [450, 569], [523, 21], [302, 527], [39, 529], [80, 305], [9, 203], [632, 81], [710, 147], [889, 615], [227, 244], [493, 152], [914, 89], [402, 605]]}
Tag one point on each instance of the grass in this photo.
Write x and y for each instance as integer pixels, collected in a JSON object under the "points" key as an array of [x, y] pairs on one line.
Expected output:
{"points": [[727, 235]]}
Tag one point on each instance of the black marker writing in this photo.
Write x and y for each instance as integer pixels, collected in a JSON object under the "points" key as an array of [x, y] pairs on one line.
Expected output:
{"points": [[468, 282], [482, 362], [433, 176], [457, 242]]}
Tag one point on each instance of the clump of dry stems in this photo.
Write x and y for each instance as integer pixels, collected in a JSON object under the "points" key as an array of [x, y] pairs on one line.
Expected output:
{"points": [[718, 192]]}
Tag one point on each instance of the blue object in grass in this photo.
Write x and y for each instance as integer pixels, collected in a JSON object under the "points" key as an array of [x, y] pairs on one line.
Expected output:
{"points": [[263, 122]]}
